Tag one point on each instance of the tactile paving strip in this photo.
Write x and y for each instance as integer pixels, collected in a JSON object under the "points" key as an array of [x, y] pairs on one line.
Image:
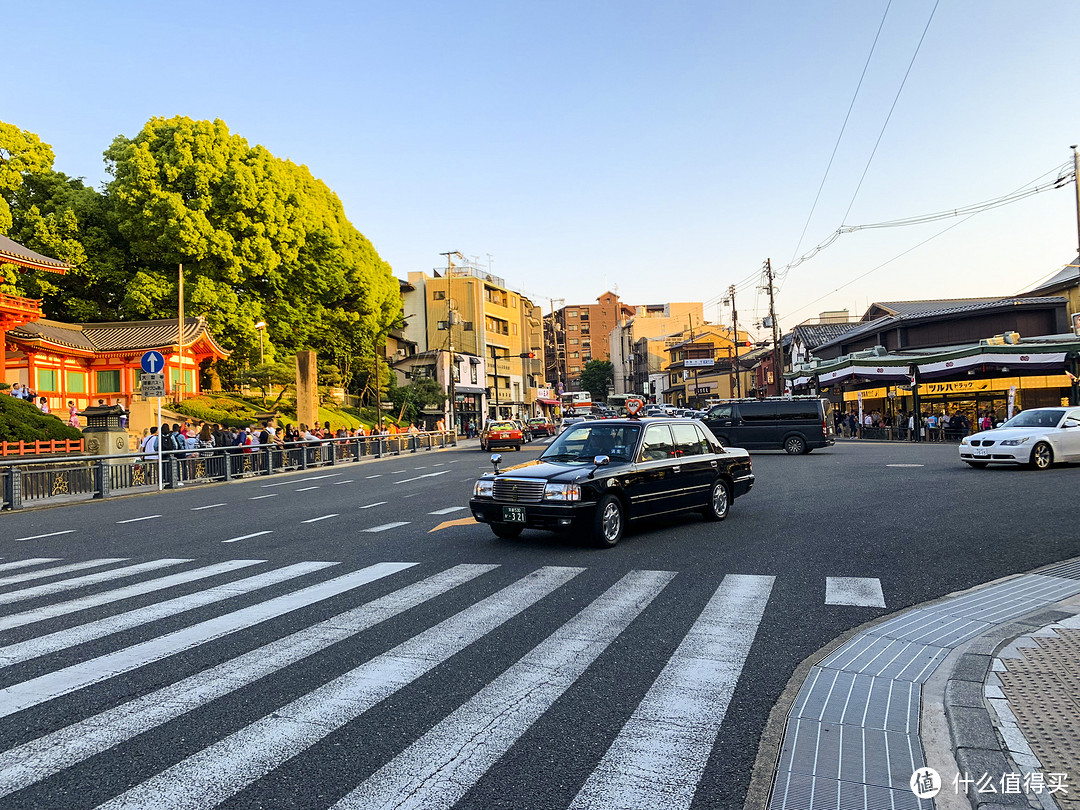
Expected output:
{"points": [[851, 734], [1043, 690]]}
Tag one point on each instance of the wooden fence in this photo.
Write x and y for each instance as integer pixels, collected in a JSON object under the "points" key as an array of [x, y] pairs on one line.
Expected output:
{"points": [[38, 448]]}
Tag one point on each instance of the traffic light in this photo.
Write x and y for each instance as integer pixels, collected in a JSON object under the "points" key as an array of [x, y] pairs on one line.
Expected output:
{"points": [[528, 355]]}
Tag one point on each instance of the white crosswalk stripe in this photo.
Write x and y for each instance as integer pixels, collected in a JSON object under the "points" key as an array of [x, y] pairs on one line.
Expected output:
{"points": [[327, 645]]}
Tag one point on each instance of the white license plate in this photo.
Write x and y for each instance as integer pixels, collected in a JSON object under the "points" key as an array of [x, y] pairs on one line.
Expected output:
{"points": [[981, 451], [514, 514]]}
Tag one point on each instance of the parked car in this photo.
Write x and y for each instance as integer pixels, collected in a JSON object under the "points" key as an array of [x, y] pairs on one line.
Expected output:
{"points": [[598, 476], [1037, 437], [541, 426], [501, 433], [797, 425]]}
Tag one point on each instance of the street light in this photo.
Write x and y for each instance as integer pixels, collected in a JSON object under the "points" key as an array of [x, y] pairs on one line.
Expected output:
{"points": [[261, 326]]}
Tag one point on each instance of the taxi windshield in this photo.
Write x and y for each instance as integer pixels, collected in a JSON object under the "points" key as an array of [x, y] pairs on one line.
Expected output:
{"points": [[587, 440]]}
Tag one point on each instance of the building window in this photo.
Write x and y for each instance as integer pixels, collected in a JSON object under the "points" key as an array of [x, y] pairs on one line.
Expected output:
{"points": [[574, 355], [47, 379], [472, 372], [107, 382], [572, 341], [494, 296], [174, 378], [497, 326], [438, 295], [513, 302], [76, 382], [571, 327], [513, 328], [440, 326], [575, 369], [467, 326], [571, 313]]}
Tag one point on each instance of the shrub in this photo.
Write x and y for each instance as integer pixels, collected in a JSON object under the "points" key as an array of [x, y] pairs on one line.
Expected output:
{"points": [[20, 421]]}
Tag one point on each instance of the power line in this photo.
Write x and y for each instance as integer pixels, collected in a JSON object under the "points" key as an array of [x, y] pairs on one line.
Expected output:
{"points": [[892, 108], [843, 128]]}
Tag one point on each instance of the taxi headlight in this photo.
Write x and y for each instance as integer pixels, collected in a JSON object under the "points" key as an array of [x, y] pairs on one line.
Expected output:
{"points": [[1014, 442], [484, 488], [562, 492]]}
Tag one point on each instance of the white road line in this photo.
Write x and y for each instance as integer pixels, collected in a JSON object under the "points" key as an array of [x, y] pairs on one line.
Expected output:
{"points": [[658, 757], [386, 526], [278, 484], [39, 536], [211, 506], [319, 477], [339, 483], [219, 771], [377, 475], [316, 520], [398, 472], [448, 510], [136, 520], [305, 489], [46, 756], [440, 767], [139, 589], [370, 505], [247, 536], [63, 681], [27, 563], [60, 569], [257, 497], [426, 475], [88, 579], [859, 591], [419, 468], [63, 639]]}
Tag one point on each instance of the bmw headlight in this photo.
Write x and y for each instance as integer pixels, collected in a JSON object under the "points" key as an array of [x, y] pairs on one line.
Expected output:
{"points": [[484, 488], [562, 492], [1014, 442], [965, 440]]}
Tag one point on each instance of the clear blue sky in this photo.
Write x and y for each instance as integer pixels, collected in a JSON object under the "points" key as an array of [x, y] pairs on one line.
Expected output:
{"points": [[666, 148]]}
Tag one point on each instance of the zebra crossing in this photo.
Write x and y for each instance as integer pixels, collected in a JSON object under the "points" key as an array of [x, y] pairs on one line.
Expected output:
{"points": [[87, 669]]}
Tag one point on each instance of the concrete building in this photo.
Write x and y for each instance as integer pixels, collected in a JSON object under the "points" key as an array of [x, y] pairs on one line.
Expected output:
{"points": [[481, 338], [638, 344], [578, 333]]}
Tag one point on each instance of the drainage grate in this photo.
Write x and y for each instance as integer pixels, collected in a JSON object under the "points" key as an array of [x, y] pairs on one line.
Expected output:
{"points": [[835, 696], [799, 791]]}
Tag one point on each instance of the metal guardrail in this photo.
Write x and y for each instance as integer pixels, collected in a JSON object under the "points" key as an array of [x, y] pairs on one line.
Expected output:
{"points": [[59, 479]]}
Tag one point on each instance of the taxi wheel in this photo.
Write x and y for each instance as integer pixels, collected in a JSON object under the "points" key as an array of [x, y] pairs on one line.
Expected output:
{"points": [[609, 522], [517, 447], [717, 508], [1041, 456], [505, 530]]}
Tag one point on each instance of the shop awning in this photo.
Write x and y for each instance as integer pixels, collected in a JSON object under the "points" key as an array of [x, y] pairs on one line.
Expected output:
{"points": [[547, 401], [1026, 361], [468, 389]]}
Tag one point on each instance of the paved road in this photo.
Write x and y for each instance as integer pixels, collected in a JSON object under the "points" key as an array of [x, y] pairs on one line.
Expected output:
{"points": [[347, 637]]}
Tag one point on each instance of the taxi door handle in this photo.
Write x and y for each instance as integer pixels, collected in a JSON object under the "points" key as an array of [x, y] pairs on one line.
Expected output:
{"points": [[675, 469]]}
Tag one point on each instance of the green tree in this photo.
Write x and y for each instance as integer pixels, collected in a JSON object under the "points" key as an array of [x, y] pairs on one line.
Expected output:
{"points": [[262, 238], [21, 153], [412, 399], [596, 377]]}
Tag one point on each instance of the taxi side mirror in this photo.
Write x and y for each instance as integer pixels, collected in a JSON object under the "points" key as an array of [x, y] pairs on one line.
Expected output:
{"points": [[496, 460]]}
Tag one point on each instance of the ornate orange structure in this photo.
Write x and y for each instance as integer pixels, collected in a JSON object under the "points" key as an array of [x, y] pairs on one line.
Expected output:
{"points": [[85, 362]]}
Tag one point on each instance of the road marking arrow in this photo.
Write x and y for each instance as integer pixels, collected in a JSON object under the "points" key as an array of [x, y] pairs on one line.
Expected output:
{"points": [[469, 521]]}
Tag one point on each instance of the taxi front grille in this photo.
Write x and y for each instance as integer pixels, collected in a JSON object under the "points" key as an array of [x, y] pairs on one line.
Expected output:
{"points": [[517, 490]]}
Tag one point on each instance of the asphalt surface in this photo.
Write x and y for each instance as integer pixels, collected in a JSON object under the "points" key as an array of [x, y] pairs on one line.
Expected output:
{"points": [[910, 516]]}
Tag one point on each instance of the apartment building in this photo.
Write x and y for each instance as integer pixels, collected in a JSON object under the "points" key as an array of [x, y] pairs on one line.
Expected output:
{"points": [[578, 333], [473, 330]]}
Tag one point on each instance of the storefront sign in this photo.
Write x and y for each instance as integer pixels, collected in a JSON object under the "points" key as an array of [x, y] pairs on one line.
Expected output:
{"points": [[999, 384]]}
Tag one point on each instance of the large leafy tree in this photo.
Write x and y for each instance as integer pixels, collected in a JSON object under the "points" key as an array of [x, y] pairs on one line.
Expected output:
{"points": [[596, 377], [260, 239]]}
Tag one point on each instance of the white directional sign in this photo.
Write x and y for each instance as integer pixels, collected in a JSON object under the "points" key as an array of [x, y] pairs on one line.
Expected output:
{"points": [[153, 385], [153, 362], [697, 362]]}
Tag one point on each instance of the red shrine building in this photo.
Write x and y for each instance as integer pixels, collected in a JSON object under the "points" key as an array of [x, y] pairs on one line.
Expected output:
{"points": [[85, 362]]}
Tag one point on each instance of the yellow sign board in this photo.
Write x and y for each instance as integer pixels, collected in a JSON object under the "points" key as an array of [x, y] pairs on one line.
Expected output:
{"points": [[972, 387]]}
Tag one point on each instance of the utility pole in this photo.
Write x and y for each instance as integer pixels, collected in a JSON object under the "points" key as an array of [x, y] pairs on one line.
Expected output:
{"points": [[450, 332], [778, 352], [1076, 182], [180, 338], [495, 379], [735, 340]]}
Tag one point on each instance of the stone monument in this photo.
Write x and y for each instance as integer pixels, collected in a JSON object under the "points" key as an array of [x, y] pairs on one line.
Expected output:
{"points": [[307, 399]]}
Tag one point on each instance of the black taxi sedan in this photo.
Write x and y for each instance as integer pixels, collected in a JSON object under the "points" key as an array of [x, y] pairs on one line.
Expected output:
{"points": [[599, 475]]}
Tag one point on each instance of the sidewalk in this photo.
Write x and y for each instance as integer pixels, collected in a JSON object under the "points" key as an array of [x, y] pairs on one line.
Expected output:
{"points": [[982, 686]]}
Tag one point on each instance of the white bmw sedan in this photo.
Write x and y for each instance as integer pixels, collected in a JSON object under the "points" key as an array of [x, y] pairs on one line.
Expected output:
{"points": [[1038, 438]]}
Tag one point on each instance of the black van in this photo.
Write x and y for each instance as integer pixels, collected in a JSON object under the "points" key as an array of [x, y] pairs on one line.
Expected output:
{"points": [[797, 425]]}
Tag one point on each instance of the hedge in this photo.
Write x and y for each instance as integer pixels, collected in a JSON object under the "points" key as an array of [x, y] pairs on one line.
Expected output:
{"points": [[21, 421]]}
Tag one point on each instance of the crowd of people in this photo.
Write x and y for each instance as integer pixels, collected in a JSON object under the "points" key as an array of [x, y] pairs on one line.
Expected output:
{"points": [[903, 425], [193, 438]]}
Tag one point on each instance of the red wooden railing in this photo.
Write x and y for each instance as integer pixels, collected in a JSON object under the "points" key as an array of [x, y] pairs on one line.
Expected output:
{"points": [[39, 447]]}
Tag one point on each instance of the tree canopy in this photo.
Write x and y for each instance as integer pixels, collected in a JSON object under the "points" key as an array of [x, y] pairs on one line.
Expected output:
{"points": [[259, 238], [596, 377]]}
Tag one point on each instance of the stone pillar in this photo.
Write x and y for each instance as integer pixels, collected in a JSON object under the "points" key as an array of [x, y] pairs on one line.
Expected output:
{"points": [[307, 401]]}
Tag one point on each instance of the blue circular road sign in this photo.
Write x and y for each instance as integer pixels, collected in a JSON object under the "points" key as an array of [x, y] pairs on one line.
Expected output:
{"points": [[153, 362]]}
